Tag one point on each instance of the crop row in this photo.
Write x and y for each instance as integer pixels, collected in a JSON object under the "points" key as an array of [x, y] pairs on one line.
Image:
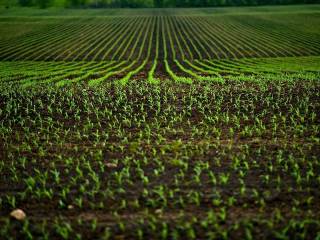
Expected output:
{"points": [[185, 37], [30, 73], [166, 161]]}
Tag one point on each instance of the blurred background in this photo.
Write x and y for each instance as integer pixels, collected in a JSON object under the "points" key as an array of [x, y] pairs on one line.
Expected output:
{"points": [[145, 3]]}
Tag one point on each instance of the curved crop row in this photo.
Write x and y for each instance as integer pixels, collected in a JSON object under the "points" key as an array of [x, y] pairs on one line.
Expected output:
{"points": [[187, 37]]}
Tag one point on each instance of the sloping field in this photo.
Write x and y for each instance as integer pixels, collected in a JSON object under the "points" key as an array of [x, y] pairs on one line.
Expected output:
{"points": [[164, 44], [168, 37], [160, 123]]}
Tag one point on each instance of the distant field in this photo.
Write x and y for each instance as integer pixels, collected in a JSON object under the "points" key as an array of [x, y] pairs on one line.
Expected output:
{"points": [[160, 123], [159, 44]]}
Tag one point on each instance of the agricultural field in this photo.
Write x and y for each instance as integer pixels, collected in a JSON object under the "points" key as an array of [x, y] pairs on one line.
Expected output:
{"points": [[160, 123]]}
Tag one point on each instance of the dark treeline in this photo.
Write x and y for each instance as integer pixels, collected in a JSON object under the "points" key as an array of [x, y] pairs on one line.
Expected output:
{"points": [[156, 3]]}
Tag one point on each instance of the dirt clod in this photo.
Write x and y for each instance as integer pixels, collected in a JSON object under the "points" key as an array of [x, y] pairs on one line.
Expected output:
{"points": [[111, 165], [18, 214]]}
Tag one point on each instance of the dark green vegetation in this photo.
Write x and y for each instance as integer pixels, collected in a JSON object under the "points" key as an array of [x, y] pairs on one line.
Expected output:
{"points": [[160, 124], [148, 3]]}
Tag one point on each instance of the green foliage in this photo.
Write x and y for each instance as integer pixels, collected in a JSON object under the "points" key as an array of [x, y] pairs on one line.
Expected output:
{"points": [[160, 124], [25, 3], [94, 156], [154, 3], [43, 3]]}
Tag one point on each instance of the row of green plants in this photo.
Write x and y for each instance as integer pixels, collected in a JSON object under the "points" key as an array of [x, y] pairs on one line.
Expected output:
{"points": [[31, 73], [173, 160], [186, 37]]}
